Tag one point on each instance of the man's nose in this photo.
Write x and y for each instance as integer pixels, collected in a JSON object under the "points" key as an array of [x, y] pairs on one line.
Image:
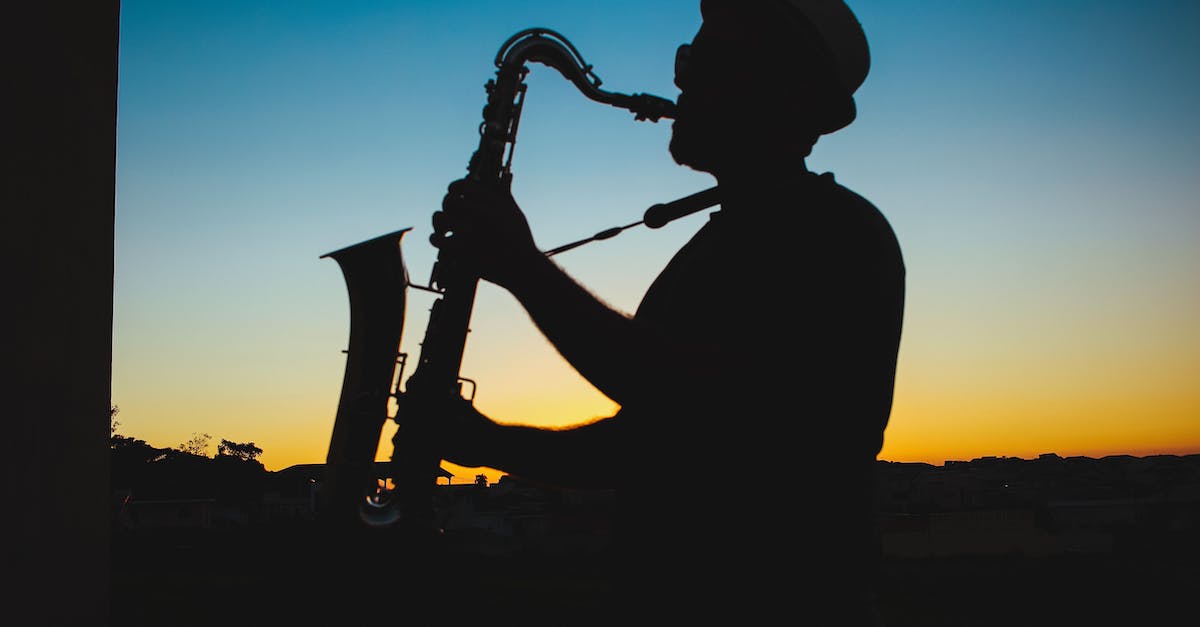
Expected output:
{"points": [[683, 57]]}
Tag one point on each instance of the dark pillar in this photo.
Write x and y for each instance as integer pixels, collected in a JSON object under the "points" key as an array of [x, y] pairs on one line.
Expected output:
{"points": [[60, 90]]}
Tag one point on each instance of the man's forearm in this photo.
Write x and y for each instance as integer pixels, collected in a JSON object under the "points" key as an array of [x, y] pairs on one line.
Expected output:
{"points": [[601, 343], [577, 457]]}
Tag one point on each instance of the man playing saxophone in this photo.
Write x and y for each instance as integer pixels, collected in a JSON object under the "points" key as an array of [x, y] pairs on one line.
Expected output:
{"points": [[780, 394]]}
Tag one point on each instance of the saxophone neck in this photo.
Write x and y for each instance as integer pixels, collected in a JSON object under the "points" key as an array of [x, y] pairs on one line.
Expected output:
{"points": [[545, 46]]}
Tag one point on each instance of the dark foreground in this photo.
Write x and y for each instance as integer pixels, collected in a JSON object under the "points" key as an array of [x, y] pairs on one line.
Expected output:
{"points": [[282, 577]]}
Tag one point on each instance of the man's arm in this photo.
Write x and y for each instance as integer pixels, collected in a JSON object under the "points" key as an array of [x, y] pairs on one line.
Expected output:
{"points": [[584, 456], [484, 228], [614, 352]]}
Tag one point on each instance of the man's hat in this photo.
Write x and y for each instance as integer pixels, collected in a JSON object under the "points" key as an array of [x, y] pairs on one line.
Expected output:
{"points": [[840, 34], [825, 28]]}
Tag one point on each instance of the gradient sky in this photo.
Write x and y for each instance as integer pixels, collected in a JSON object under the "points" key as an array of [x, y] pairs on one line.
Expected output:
{"points": [[1039, 161]]}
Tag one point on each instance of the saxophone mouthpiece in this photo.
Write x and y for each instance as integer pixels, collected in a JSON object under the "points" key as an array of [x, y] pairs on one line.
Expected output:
{"points": [[650, 107]]}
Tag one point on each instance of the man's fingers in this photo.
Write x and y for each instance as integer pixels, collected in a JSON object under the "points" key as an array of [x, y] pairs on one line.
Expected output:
{"points": [[441, 222], [453, 200], [447, 242], [463, 188]]}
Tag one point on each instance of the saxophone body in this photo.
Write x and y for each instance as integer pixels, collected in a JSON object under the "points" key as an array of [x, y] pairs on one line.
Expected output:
{"points": [[353, 490]]}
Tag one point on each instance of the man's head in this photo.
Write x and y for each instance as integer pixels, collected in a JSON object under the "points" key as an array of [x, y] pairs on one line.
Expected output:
{"points": [[762, 79]]}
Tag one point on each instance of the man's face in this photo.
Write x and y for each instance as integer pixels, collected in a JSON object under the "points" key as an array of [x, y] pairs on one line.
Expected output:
{"points": [[737, 103], [707, 114]]}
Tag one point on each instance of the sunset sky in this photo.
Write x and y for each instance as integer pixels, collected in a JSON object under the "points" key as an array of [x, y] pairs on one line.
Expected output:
{"points": [[1039, 162]]}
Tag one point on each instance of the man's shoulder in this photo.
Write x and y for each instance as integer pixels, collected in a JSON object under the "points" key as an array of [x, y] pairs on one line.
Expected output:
{"points": [[825, 186], [832, 200]]}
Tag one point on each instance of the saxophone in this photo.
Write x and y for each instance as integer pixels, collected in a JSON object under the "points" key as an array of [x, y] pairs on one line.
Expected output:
{"points": [[354, 489]]}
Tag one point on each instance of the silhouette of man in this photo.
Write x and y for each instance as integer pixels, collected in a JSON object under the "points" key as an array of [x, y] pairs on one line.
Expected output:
{"points": [[755, 378]]}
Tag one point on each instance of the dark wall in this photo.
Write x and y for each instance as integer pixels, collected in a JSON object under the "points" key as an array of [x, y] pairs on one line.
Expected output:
{"points": [[60, 88]]}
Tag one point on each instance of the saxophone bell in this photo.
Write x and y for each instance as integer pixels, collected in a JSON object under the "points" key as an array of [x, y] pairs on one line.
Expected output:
{"points": [[377, 282]]}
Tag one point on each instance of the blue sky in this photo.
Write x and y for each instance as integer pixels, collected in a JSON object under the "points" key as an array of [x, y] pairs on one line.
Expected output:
{"points": [[1038, 161]]}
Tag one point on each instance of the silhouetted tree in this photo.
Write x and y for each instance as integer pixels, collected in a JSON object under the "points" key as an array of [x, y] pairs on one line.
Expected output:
{"points": [[238, 478], [131, 461], [246, 452], [112, 420], [234, 476], [198, 445], [125, 445]]}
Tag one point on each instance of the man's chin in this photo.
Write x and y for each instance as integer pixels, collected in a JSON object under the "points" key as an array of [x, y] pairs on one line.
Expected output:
{"points": [[688, 155]]}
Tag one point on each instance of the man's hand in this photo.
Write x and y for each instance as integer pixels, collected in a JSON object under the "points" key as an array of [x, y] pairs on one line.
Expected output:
{"points": [[465, 436], [482, 227]]}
